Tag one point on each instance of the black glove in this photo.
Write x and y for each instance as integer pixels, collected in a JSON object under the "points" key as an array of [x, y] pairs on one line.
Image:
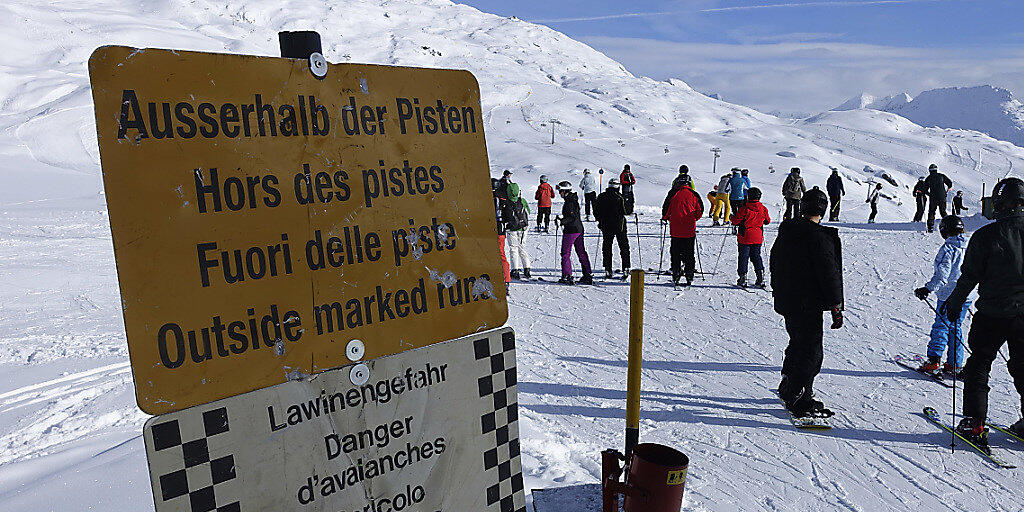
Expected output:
{"points": [[922, 293], [837, 318], [951, 312]]}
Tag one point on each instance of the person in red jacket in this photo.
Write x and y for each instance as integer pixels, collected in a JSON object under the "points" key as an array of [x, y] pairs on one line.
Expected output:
{"points": [[544, 195], [682, 212], [627, 180], [751, 218]]}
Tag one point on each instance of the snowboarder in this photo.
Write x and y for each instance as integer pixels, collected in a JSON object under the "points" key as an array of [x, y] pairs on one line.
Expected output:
{"points": [[610, 211], [945, 335], [751, 219], [793, 190], [836, 191], [544, 195], [738, 186], [921, 197], [993, 263], [627, 180], [681, 211], [873, 200], [572, 236], [517, 218], [937, 185], [807, 278], [499, 208], [958, 203], [721, 209], [589, 187]]}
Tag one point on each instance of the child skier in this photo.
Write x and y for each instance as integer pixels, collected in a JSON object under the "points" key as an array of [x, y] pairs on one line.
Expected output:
{"points": [[517, 219], [946, 336], [544, 195], [751, 220], [572, 236]]}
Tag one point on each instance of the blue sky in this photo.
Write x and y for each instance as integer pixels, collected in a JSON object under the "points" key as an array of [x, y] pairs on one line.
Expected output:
{"points": [[797, 55]]}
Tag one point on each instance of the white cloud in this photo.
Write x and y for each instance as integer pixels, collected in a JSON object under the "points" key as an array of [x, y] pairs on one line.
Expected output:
{"points": [[810, 76]]}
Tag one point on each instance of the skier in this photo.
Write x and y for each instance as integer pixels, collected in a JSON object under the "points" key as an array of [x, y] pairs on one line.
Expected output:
{"points": [[958, 203], [721, 209], [610, 210], [836, 191], [712, 195], [807, 278], [993, 263], [945, 335], [937, 185], [572, 236], [506, 178], [683, 178], [499, 207], [751, 219], [921, 197], [517, 218], [589, 187], [627, 180], [682, 210], [873, 200], [738, 186], [793, 190], [544, 195]]}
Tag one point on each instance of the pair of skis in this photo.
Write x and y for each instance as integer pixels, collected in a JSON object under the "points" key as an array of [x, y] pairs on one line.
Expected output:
{"points": [[914, 363], [994, 456]]}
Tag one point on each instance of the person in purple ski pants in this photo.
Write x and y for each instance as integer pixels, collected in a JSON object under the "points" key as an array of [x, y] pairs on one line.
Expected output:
{"points": [[572, 236]]}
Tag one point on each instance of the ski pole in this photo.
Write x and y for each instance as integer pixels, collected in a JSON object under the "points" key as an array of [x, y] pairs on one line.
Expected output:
{"points": [[558, 254], [661, 259], [720, 251], [700, 266], [639, 255]]}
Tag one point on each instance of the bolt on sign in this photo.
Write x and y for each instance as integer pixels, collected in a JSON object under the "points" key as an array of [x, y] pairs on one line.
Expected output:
{"points": [[263, 216], [435, 429]]}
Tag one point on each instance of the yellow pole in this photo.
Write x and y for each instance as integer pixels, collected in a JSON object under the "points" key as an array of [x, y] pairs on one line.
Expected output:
{"points": [[636, 335]]}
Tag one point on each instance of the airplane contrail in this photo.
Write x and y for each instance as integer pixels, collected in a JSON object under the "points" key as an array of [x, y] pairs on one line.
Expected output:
{"points": [[713, 10]]}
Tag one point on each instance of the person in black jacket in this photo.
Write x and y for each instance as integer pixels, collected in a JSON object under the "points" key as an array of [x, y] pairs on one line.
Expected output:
{"points": [[958, 203], [499, 211], [938, 186], [610, 210], [807, 278], [836, 191], [572, 236], [994, 262], [921, 197]]}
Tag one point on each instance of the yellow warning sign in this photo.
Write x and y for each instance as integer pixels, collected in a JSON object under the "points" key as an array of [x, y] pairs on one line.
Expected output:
{"points": [[676, 477], [263, 218]]}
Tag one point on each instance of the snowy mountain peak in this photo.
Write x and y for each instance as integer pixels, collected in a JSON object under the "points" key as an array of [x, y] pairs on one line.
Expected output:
{"points": [[991, 110], [862, 100], [865, 100]]}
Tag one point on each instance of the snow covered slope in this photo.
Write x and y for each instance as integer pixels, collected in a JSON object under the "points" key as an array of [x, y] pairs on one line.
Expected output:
{"points": [[69, 428], [987, 109]]}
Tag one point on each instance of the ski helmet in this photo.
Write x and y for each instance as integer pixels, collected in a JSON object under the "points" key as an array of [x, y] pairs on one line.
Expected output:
{"points": [[795, 170], [586, 171], [745, 172], [754, 194], [933, 168], [1008, 194], [735, 170], [543, 178], [625, 167], [951, 225], [564, 186], [814, 203], [614, 183], [683, 169]]}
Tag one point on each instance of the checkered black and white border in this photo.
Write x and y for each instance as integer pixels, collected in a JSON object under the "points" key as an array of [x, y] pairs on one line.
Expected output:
{"points": [[497, 358], [202, 484]]}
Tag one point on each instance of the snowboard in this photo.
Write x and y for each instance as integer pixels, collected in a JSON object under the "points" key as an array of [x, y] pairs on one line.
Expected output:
{"points": [[993, 456], [914, 363]]}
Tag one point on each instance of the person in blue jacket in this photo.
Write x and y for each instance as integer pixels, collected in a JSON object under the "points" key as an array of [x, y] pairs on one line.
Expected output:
{"points": [[946, 335], [738, 186]]}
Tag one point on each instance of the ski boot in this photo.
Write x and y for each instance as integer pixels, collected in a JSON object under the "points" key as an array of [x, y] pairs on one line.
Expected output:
{"points": [[949, 369], [526, 273], [759, 283], [973, 430], [608, 274], [625, 274], [931, 366], [587, 279], [742, 282], [514, 273], [587, 219], [566, 280]]}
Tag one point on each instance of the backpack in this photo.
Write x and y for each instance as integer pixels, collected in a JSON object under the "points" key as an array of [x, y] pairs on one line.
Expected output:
{"points": [[518, 220]]}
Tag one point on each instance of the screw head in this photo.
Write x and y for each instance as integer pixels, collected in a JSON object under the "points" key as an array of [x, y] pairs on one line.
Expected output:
{"points": [[359, 374], [318, 65], [355, 350]]}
